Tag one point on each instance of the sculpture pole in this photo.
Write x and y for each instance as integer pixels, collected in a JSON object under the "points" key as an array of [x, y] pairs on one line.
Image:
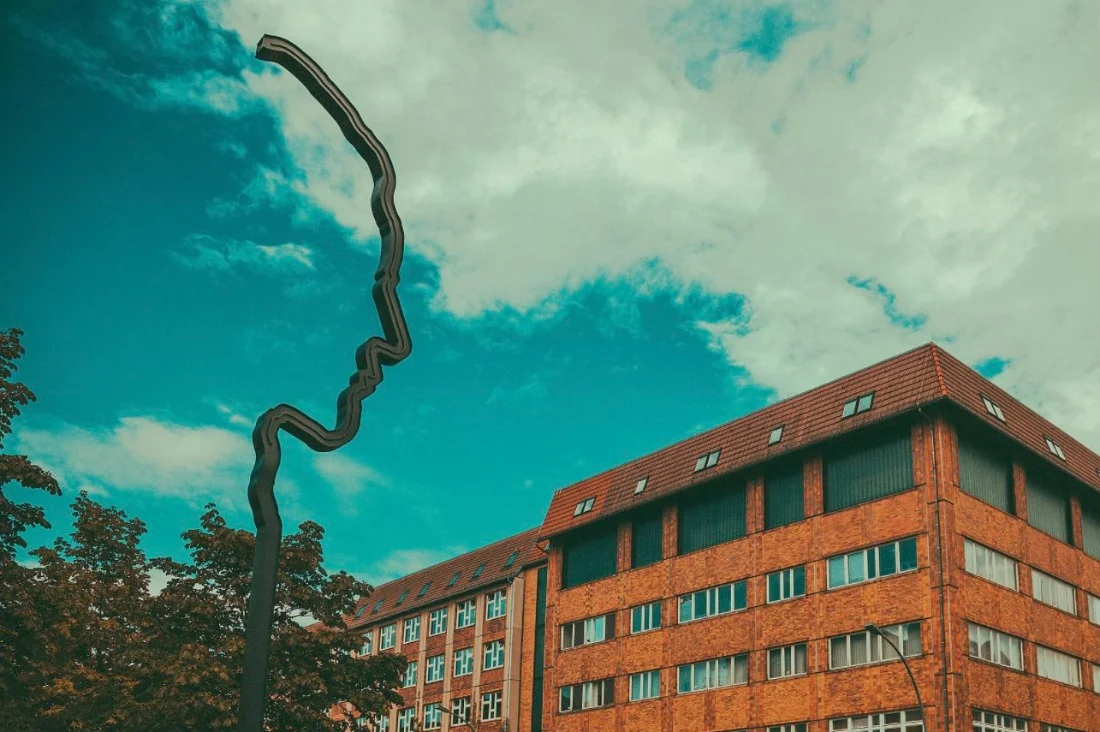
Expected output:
{"points": [[370, 357]]}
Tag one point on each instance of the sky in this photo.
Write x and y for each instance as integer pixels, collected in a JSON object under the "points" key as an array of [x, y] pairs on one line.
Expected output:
{"points": [[626, 222]]}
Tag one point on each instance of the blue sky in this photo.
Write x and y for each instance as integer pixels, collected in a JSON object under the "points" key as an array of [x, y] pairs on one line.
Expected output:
{"points": [[620, 233]]}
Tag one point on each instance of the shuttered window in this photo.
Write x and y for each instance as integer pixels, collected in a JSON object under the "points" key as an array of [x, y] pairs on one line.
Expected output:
{"points": [[783, 498], [985, 471], [868, 467], [1090, 523], [589, 555], [715, 516], [645, 539], [1048, 503]]}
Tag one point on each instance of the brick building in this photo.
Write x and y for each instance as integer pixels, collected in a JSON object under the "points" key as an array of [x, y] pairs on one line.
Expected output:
{"points": [[753, 577]]}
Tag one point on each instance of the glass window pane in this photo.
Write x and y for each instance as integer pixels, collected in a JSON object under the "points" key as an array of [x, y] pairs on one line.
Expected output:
{"points": [[700, 609], [773, 587], [855, 567], [740, 600], [799, 581], [775, 663], [685, 679], [725, 599], [858, 648], [908, 554], [887, 560], [800, 659], [836, 572], [838, 650], [685, 609]]}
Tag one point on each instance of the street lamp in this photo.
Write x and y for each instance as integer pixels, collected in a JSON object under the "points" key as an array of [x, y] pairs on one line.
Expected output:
{"points": [[878, 631]]}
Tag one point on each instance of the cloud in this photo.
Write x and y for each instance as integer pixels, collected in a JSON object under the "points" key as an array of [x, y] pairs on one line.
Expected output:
{"points": [[205, 252], [348, 477], [143, 454], [402, 562], [233, 416]]}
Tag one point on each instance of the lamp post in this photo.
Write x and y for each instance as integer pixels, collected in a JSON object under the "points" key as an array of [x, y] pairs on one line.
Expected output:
{"points": [[878, 631]]}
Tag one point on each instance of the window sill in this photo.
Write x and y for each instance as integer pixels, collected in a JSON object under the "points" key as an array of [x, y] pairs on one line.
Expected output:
{"points": [[994, 664]]}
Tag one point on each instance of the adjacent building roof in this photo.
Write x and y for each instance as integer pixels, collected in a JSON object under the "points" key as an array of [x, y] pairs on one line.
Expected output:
{"points": [[495, 569], [901, 384]]}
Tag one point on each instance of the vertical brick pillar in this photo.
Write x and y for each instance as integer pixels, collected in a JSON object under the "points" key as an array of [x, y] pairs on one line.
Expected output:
{"points": [[754, 504], [1019, 489], [1078, 528], [624, 544], [813, 482]]}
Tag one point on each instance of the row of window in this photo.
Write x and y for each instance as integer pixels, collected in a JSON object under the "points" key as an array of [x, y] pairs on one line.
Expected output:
{"points": [[463, 663], [491, 709], [856, 649], [987, 721], [1003, 649], [465, 616], [990, 564]]}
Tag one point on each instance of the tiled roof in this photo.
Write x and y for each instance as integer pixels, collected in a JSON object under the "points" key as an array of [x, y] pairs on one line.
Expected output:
{"points": [[901, 384], [492, 556]]}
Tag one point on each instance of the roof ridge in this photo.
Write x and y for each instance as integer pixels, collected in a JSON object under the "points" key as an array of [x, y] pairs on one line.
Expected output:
{"points": [[939, 369]]}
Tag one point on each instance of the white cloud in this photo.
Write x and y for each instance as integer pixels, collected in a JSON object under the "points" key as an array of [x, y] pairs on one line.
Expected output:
{"points": [[402, 562], [348, 477], [205, 252], [147, 455]]}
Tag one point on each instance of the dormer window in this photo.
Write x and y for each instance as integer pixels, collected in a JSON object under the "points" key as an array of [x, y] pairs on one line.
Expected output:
{"points": [[858, 405], [1054, 449], [707, 461], [775, 436], [992, 408], [584, 506], [424, 589], [641, 485]]}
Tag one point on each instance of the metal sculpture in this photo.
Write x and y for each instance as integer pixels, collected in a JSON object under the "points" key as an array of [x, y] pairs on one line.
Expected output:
{"points": [[370, 357]]}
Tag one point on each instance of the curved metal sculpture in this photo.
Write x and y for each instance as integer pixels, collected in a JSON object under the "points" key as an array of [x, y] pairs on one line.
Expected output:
{"points": [[370, 357]]}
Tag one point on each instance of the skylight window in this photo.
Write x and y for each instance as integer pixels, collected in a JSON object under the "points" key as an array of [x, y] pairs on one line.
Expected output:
{"points": [[454, 578], [584, 506], [992, 408], [858, 405], [1054, 449], [511, 560], [424, 589], [377, 606], [775, 436], [641, 485], [401, 599], [707, 461], [362, 609], [478, 571]]}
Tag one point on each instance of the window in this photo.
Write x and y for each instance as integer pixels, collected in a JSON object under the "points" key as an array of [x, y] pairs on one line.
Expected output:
{"points": [[911, 720], [712, 515], [867, 564], [985, 469], [405, 719], [412, 630], [464, 661], [868, 466], [584, 506], [366, 646], [707, 461], [460, 711], [382, 723], [714, 673], [787, 661], [410, 675], [590, 555], [858, 405], [1053, 592], [640, 486], [402, 598], [511, 559], [589, 695], [433, 670], [495, 605], [433, 715], [645, 685], [645, 539], [1048, 504], [1058, 666], [1096, 678], [786, 583], [775, 436], [377, 606], [996, 647], [712, 601], [645, 617], [490, 706], [465, 613], [437, 621], [795, 727], [494, 655], [1054, 449], [584, 632], [783, 495], [388, 637], [477, 572], [1094, 612], [1054, 728], [992, 408], [454, 579], [424, 589], [989, 564], [867, 647]]}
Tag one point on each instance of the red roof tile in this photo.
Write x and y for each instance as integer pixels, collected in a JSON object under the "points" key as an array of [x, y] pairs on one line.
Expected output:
{"points": [[900, 384]]}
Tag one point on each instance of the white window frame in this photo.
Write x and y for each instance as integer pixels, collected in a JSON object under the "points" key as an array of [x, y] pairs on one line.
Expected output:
{"points": [[490, 699], [866, 555], [1096, 678], [978, 636], [981, 561], [434, 668], [789, 727], [467, 656], [908, 720], [465, 614], [410, 674], [496, 605], [437, 622], [1053, 591], [366, 645], [645, 685], [791, 658], [986, 721], [786, 584], [1094, 608], [382, 723], [412, 630], [708, 674], [433, 715], [712, 595], [992, 408], [877, 650], [708, 460], [594, 694], [1054, 448], [1057, 666], [460, 710], [493, 656], [388, 637], [584, 506], [405, 719], [644, 618]]}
